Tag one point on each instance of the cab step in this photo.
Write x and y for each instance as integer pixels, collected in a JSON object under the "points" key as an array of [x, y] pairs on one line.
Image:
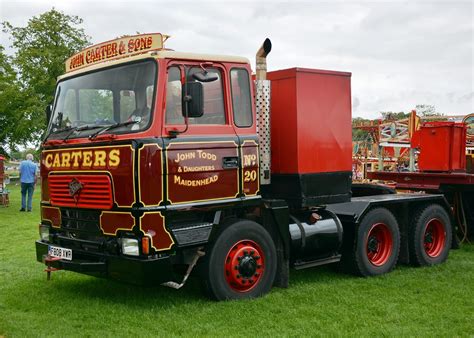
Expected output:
{"points": [[309, 264]]}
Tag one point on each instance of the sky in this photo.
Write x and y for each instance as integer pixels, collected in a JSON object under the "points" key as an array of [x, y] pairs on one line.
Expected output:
{"points": [[400, 53]]}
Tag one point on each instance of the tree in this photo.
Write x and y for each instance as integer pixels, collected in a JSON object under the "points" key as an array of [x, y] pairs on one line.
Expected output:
{"points": [[426, 110], [17, 155], [10, 104], [389, 115], [359, 135], [41, 48]]}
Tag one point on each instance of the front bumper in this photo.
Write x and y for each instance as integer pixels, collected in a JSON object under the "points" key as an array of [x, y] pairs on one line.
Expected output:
{"points": [[149, 271]]}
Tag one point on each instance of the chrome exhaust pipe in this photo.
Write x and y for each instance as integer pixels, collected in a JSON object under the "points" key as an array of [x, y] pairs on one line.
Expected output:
{"points": [[261, 60], [262, 106]]}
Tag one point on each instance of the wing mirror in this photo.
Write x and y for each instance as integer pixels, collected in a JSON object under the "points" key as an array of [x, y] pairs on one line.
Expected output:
{"points": [[205, 76], [49, 110], [194, 99]]}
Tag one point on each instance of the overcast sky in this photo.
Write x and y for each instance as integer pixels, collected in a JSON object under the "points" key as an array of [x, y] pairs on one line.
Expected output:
{"points": [[400, 53]]}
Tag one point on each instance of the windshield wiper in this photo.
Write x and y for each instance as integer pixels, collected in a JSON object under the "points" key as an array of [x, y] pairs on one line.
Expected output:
{"points": [[57, 131], [110, 127], [80, 128], [60, 130], [59, 119]]}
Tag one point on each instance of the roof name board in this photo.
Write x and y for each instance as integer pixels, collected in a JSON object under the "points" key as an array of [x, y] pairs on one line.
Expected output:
{"points": [[115, 49]]}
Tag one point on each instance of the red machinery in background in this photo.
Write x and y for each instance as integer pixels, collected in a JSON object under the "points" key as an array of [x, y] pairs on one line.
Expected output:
{"points": [[2, 159], [4, 199], [440, 148]]}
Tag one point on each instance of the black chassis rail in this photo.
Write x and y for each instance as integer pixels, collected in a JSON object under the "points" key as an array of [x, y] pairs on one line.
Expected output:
{"points": [[401, 205], [358, 206]]}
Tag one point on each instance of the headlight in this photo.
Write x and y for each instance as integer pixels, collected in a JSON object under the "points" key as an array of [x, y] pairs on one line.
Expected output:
{"points": [[44, 232], [130, 246]]}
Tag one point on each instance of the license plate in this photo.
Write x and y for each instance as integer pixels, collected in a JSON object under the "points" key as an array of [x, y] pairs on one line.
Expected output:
{"points": [[62, 253]]}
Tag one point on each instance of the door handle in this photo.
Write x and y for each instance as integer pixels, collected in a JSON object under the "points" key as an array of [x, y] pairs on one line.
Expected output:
{"points": [[230, 162]]}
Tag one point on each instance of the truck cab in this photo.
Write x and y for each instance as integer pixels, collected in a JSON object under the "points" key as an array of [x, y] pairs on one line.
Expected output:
{"points": [[121, 159]]}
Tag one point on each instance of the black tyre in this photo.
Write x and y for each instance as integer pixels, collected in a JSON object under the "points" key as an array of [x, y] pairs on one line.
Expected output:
{"points": [[376, 245], [430, 236], [241, 263]]}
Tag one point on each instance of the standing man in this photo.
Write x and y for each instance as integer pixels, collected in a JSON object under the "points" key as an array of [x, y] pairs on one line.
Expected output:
{"points": [[28, 181]]}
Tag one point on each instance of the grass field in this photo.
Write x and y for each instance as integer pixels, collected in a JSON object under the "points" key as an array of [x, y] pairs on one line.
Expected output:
{"points": [[437, 301]]}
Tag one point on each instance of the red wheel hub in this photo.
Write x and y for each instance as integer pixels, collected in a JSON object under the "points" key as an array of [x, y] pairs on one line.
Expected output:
{"points": [[379, 244], [244, 265], [434, 238]]}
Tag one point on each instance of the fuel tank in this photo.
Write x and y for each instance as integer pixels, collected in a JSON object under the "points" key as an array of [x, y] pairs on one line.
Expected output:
{"points": [[315, 235]]}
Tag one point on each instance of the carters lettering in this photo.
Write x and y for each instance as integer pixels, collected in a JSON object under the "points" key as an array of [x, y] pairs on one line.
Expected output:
{"points": [[82, 159]]}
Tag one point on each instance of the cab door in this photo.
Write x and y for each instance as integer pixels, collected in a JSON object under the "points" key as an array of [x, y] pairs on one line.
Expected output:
{"points": [[202, 160], [244, 122]]}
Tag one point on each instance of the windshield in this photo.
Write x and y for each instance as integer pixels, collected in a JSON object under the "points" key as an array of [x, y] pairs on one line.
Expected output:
{"points": [[119, 95]]}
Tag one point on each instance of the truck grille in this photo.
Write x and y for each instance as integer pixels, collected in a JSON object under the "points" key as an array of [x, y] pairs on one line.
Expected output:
{"points": [[83, 191], [80, 220], [81, 226]]}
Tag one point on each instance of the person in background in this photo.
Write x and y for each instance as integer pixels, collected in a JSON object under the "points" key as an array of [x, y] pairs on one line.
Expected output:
{"points": [[28, 181]]}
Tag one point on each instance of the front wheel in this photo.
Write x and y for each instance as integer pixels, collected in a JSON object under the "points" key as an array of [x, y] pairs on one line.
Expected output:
{"points": [[430, 237], [241, 263]]}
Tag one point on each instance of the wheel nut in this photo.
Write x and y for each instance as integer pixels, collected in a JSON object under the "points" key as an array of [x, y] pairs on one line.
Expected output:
{"points": [[257, 257], [236, 267], [246, 252], [252, 252], [238, 276]]}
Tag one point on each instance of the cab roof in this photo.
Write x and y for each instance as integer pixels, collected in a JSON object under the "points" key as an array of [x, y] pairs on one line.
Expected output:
{"points": [[163, 54], [157, 54]]}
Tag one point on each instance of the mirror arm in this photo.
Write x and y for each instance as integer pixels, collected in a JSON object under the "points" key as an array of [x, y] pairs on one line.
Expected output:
{"points": [[48, 113], [186, 99], [207, 64]]}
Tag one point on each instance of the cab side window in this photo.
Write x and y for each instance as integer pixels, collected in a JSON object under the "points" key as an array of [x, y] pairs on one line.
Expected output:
{"points": [[213, 93], [241, 103], [174, 112], [214, 111]]}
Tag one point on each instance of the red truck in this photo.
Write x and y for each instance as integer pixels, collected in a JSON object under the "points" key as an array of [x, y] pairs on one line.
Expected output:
{"points": [[156, 162]]}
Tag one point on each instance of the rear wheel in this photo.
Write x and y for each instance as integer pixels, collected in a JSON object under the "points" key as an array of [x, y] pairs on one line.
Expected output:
{"points": [[376, 246], [430, 236], [241, 262]]}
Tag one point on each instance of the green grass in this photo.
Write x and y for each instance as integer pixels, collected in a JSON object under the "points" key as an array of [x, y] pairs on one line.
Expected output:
{"points": [[437, 301]]}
